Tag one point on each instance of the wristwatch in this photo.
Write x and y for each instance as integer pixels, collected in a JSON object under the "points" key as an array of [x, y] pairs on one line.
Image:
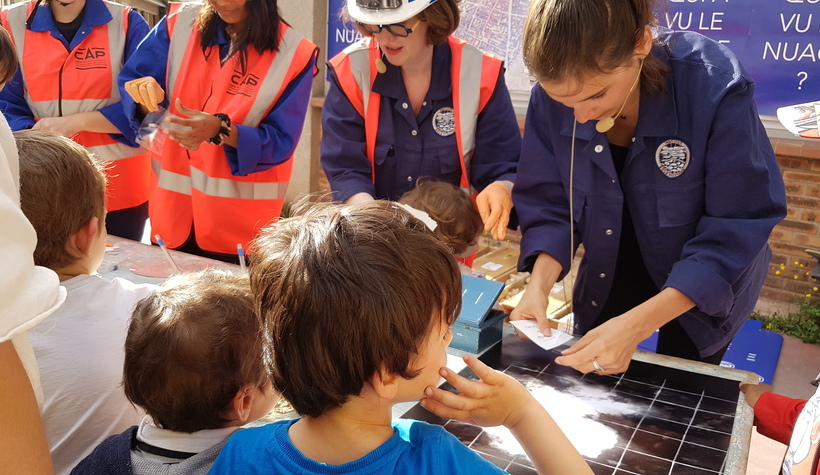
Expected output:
{"points": [[224, 129]]}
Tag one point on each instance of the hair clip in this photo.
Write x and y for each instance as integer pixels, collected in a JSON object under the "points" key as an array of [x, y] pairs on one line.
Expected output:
{"points": [[419, 214]]}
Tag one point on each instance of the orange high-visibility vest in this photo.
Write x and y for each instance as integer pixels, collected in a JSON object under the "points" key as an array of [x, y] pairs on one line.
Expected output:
{"points": [[196, 188], [59, 83], [355, 69]]}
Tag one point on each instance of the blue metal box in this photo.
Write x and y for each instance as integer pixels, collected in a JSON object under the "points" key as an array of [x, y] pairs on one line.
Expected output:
{"points": [[478, 326]]}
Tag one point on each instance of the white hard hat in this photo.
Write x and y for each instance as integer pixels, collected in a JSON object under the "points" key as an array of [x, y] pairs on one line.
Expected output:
{"points": [[385, 12]]}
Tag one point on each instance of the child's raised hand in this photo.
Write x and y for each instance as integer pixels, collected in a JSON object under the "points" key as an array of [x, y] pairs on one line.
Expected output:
{"points": [[752, 392], [497, 399]]}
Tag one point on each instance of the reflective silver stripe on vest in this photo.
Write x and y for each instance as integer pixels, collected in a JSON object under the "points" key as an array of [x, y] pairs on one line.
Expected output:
{"points": [[185, 18], [116, 45], [359, 57], [115, 151], [217, 187], [275, 76], [472, 60], [16, 18]]}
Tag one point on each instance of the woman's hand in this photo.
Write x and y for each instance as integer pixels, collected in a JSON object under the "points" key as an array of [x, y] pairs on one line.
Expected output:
{"points": [[65, 126], [533, 306], [611, 345], [145, 91], [194, 129], [494, 204]]}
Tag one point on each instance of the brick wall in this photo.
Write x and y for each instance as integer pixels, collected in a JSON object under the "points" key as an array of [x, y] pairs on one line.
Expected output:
{"points": [[788, 279]]}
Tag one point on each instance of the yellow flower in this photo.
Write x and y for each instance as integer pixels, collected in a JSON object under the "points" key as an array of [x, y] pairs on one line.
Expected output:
{"points": [[777, 272]]}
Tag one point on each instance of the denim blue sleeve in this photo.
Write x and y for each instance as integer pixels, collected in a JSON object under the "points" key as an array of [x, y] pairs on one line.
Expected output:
{"points": [[539, 194], [13, 103], [149, 59], [274, 141], [342, 154], [497, 140], [137, 29], [744, 199]]}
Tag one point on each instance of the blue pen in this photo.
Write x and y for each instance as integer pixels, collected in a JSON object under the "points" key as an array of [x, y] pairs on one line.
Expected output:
{"points": [[241, 253], [167, 254]]}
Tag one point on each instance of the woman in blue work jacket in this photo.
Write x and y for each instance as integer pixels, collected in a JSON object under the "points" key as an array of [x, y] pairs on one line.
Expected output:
{"points": [[410, 100], [647, 149]]}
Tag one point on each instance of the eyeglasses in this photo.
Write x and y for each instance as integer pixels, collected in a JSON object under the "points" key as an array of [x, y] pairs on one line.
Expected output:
{"points": [[395, 29], [379, 4]]}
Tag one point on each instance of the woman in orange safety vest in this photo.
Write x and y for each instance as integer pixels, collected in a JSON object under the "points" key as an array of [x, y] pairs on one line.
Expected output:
{"points": [[238, 80], [70, 55], [410, 100]]}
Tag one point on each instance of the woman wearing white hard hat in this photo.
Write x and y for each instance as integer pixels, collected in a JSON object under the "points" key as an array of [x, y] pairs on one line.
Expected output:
{"points": [[410, 100]]}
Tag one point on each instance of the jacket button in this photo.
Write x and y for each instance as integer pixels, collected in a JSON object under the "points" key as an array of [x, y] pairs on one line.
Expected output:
{"points": [[602, 275], [608, 232], [404, 106], [594, 303], [409, 178], [414, 133], [599, 148]]}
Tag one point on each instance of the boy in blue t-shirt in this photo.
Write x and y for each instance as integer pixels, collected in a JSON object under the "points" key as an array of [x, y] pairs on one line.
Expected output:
{"points": [[357, 303]]}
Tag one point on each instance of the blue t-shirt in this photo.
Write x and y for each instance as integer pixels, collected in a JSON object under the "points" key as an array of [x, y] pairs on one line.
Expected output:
{"points": [[416, 448]]}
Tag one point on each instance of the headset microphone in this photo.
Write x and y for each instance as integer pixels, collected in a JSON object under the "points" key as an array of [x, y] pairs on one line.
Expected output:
{"points": [[605, 124], [380, 66]]}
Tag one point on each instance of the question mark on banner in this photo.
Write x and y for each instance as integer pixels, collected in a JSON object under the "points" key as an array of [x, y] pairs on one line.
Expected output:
{"points": [[804, 75]]}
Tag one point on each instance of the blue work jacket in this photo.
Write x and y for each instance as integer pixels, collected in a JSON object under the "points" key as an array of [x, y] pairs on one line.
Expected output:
{"points": [[701, 181], [408, 146]]}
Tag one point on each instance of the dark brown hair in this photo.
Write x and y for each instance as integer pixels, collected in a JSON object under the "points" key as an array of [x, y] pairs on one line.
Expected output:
{"points": [[459, 223], [442, 18], [8, 57], [62, 186], [345, 291], [573, 39], [191, 347], [261, 29]]}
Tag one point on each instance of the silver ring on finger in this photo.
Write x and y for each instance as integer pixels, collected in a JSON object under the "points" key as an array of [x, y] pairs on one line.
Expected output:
{"points": [[597, 366]]}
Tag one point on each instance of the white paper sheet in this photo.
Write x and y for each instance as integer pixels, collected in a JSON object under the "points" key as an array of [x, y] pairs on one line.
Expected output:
{"points": [[531, 330]]}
